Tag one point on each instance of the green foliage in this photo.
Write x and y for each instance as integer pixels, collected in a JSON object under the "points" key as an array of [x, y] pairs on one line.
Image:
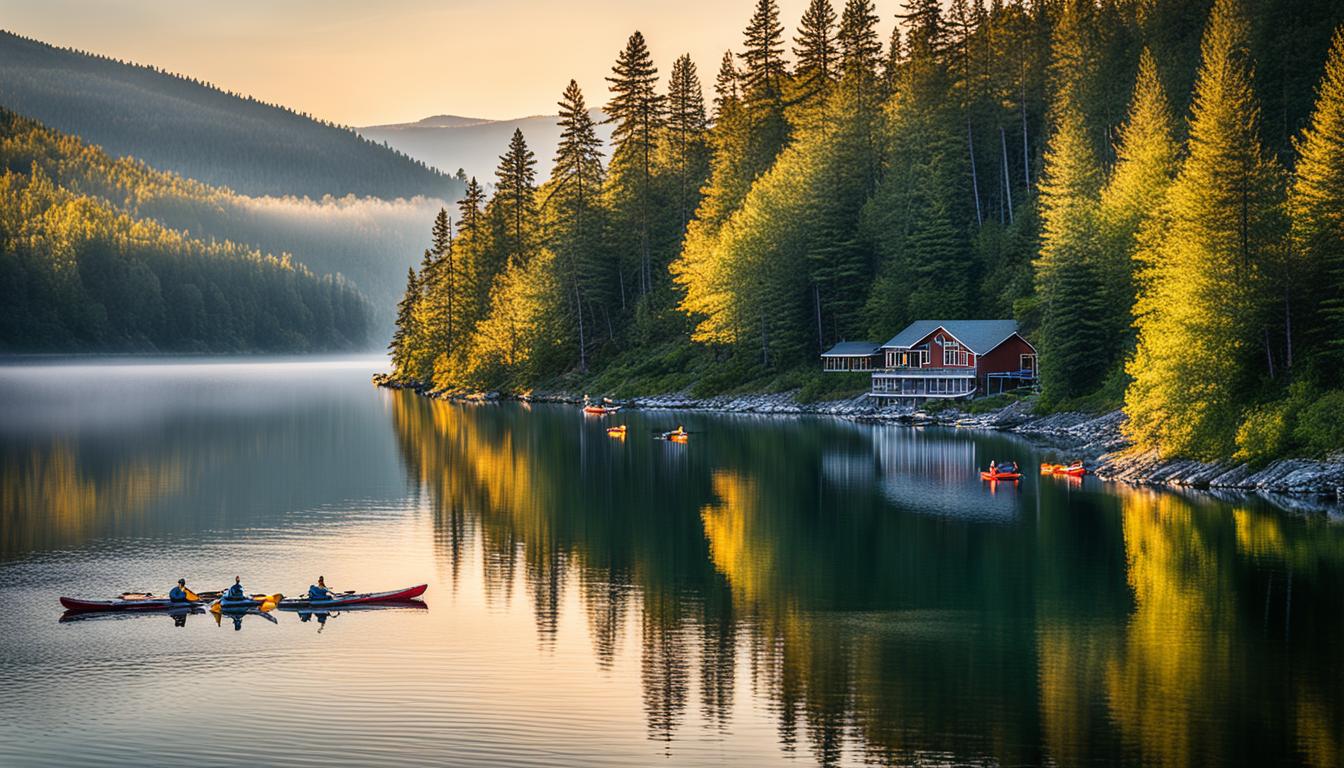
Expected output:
{"points": [[1319, 430], [77, 274]]}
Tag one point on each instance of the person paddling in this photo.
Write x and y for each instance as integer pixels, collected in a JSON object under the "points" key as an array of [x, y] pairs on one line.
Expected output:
{"points": [[319, 591], [235, 592], [180, 593]]}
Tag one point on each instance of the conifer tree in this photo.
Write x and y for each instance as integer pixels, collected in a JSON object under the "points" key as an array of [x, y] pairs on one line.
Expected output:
{"points": [[581, 270], [687, 143], [638, 112], [814, 52], [1317, 273], [763, 77], [514, 202], [727, 92], [1132, 200], [403, 337], [1202, 319]]}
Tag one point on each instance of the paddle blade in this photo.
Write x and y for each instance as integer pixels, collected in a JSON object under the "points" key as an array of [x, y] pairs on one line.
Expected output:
{"points": [[192, 595], [215, 608], [267, 606]]}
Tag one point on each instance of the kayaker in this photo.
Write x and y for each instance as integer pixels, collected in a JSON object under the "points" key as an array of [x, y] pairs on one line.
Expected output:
{"points": [[1015, 469], [993, 467], [180, 593], [235, 592], [319, 591]]}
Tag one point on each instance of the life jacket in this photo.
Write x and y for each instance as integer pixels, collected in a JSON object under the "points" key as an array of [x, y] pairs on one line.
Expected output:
{"points": [[177, 595]]}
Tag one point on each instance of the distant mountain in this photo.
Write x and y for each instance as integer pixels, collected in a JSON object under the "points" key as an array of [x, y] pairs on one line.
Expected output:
{"points": [[194, 129], [449, 142]]}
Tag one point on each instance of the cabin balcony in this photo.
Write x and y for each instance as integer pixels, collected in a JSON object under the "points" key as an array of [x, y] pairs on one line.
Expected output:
{"points": [[924, 384]]}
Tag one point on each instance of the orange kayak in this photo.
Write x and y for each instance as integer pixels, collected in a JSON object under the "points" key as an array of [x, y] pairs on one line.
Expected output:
{"points": [[616, 431], [678, 437], [1050, 469], [1000, 476], [600, 410], [1070, 471]]}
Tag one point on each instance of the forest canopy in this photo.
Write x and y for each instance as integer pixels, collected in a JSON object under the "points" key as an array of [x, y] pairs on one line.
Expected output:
{"points": [[80, 271]]}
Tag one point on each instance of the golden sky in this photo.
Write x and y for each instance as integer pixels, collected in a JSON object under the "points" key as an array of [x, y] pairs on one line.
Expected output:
{"points": [[384, 61]]}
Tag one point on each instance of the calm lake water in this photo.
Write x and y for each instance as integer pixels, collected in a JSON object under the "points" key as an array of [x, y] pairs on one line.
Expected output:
{"points": [[778, 590]]}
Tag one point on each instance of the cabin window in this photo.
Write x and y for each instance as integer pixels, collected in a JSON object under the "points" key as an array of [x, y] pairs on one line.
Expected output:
{"points": [[1028, 362], [953, 354]]}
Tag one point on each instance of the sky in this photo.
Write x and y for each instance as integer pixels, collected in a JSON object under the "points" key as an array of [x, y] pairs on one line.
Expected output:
{"points": [[389, 61]]}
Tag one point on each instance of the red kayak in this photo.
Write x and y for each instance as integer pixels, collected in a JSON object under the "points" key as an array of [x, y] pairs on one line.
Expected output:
{"points": [[153, 604], [363, 598], [1000, 476], [599, 410]]}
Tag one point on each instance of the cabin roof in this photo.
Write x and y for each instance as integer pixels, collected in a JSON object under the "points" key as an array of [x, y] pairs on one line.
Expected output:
{"points": [[852, 349], [979, 336]]}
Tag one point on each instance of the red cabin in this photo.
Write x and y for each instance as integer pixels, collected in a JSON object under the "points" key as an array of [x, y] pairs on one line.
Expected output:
{"points": [[948, 359]]}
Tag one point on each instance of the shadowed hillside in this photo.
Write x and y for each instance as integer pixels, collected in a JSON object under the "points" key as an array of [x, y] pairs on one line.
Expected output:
{"points": [[197, 130]]}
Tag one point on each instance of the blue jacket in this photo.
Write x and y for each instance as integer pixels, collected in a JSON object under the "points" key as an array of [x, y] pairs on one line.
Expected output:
{"points": [[235, 592], [177, 595], [318, 593]]}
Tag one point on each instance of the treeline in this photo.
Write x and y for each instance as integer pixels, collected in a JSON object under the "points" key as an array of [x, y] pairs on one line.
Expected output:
{"points": [[983, 160], [367, 240], [77, 273], [192, 128]]}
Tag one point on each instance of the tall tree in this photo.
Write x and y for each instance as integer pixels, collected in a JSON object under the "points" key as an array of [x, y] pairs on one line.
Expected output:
{"points": [[814, 52], [582, 271], [687, 142], [403, 337], [763, 77], [637, 111], [514, 202], [1133, 199], [1203, 337], [1316, 279]]}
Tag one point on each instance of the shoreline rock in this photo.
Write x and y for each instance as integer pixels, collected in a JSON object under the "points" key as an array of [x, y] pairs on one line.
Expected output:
{"points": [[1096, 438]]}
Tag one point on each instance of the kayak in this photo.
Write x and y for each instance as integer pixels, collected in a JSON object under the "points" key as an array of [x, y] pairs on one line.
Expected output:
{"points": [[601, 410], [244, 603], [1070, 471], [152, 604], [1000, 476], [1050, 469], [677, 437], [179, 609], [616, 431], [363, 598]]}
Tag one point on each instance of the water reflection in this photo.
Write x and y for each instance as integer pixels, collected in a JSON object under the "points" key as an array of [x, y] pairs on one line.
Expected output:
{"points": [[882, 604]]}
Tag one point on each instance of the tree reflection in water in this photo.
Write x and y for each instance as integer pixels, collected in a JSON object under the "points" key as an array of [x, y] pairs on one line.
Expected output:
{"points": [[883, 605]]}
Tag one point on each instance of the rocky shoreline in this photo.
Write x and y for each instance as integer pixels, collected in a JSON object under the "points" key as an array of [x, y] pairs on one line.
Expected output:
{"points": [[1096, 438]]}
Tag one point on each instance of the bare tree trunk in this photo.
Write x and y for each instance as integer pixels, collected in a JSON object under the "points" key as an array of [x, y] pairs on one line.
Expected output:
{"points": [[1269, 353], [578, 306], [975, 182], [816, 302], [1007, 183], [1026, 158]]}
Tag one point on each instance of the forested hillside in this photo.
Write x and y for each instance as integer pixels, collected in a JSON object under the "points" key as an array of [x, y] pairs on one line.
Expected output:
{"points": [[367, 240], [1151, 188], [194, 129], [80, 270]]}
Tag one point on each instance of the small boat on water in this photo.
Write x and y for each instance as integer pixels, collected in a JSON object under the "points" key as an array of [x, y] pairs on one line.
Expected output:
{"points": [[140, 604], [616, 431], [995, 476], [600, 410], [678, 437], [232, 604], [351, 598], [1070, 470]]}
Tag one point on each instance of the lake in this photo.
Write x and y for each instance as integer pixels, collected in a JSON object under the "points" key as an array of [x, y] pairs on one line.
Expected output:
{"points": [[791, 590]]}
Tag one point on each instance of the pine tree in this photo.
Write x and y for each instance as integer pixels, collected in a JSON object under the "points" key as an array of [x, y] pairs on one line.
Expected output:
{"points": [[1131, 202], [815, 53], [1202, 320], [403, 338], [727, 92], [582, 271], [514, 201], [1317, 273], [763, 79], [637, 111], [687, 143]]}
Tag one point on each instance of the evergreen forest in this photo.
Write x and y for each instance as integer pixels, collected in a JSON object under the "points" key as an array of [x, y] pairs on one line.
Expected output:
{"points": [[1154, 190]]}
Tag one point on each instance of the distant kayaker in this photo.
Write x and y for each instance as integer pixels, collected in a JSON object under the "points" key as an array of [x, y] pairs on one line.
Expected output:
{"points": [[319, 591], [993, 467], [180, 593], [235, 592]]}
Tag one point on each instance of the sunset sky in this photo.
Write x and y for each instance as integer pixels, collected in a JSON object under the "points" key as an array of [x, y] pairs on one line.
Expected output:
{"points": [[362, 63]]}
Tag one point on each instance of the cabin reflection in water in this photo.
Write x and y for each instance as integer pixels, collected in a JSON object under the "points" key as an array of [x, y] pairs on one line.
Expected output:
{"points": [[883, 605]]}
